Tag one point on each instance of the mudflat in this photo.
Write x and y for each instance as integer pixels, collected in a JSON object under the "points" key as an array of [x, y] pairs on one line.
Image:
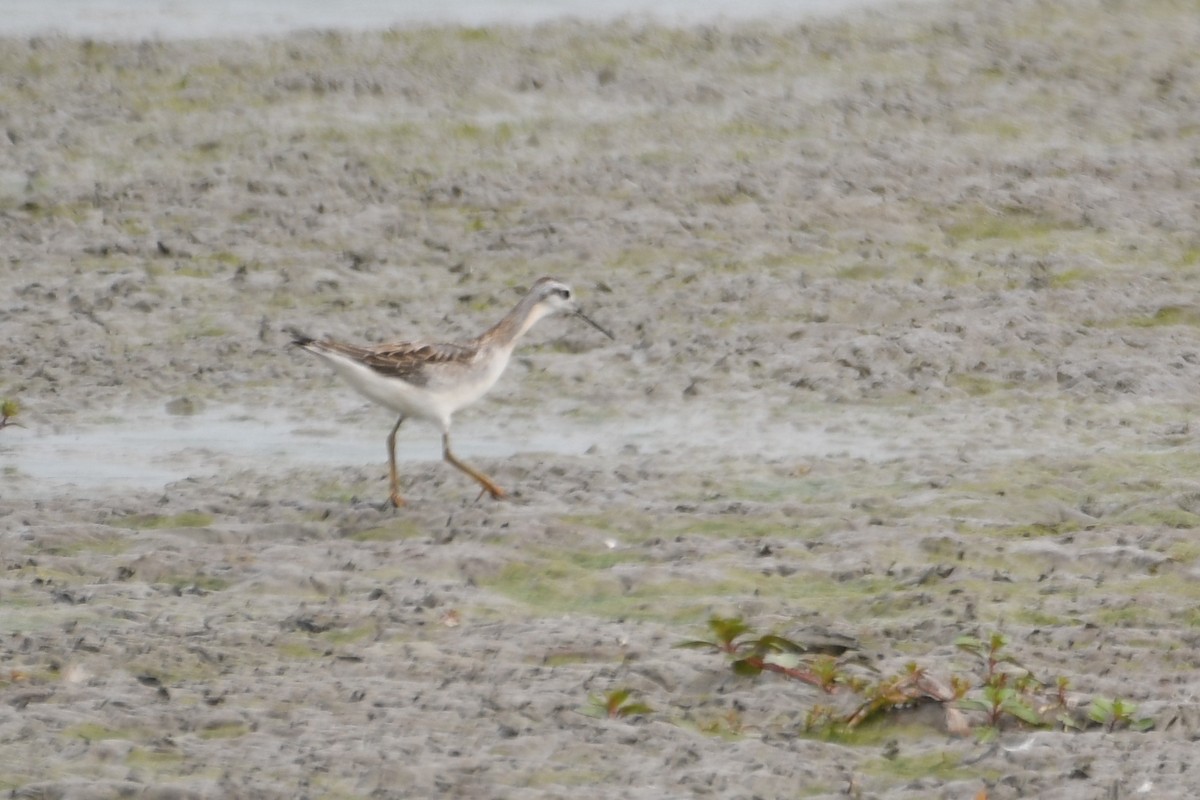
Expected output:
{"points": [[907, 348]]}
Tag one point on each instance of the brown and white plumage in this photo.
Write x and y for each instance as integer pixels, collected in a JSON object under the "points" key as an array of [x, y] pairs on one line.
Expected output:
{"points": [[431, 381]]}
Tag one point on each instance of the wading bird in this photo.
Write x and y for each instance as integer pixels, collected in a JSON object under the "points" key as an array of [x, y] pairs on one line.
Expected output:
{"points": [[430, 381]]}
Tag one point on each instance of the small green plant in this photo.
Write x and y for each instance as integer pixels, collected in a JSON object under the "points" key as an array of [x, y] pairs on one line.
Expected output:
{"points": [[989, 653], [999, 693], [617, 704], [728, 632], [822, 718], [1006, 690], [9, 409], [998, 702], [1117, 713], [729, 725], [751, 655], [912, 685]]}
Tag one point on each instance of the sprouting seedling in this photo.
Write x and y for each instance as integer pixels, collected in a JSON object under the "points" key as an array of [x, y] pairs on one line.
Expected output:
{"points": [[728, 725], [1061, 703], [772, 653], [821, 717], [997, 693], [1060, 691], [726, 633], [1117, 713], [617, 704], [912, 685], [990, 653], [1012, 693], [829, 672], [992, 657], [9, 409], [1000, 700]]}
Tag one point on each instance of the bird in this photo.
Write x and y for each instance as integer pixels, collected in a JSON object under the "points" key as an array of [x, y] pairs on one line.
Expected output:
{"points": [[431, 380]]}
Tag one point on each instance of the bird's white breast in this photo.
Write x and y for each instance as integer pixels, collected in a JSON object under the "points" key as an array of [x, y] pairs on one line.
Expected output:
{"points": [[450, 386]]}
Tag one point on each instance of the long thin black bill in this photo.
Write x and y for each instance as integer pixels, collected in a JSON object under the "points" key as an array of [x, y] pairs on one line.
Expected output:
{"points": [[594, 324]]}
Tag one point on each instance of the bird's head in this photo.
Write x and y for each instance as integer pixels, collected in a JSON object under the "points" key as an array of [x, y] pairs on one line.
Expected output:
{"points": [[555, 297]]}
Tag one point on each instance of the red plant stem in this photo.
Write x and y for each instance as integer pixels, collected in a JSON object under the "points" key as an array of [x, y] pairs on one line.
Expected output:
{"points": [[791, 672]]}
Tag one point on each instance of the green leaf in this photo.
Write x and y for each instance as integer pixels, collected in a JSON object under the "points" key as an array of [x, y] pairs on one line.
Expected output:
{"points": [[1022, 711], [697, 643], [746, 667], [1100, 711], [1067, 721], [779, 644], [967, 704], [997, 695], [614, 700], [595, 708], [615, 704], [1026, 682], [727, 629], [1122, 710]]}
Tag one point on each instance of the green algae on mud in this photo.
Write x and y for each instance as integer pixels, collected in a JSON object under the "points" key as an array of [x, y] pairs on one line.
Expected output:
{"points": [[187, 519], [693, 593]]}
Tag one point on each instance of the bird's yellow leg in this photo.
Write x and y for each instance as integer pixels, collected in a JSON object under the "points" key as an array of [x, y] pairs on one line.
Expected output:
{"points": [[393, 478], [487, 483]]}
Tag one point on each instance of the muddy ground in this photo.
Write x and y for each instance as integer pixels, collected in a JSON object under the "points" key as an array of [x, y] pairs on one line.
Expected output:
{"points": [[907, 349]]}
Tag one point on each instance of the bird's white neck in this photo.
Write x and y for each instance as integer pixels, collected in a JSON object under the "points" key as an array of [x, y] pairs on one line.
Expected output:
{"points": [[516, 323]]}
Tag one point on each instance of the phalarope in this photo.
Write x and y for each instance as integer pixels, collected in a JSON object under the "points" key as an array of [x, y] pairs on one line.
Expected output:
{"points": [[432, 380]]}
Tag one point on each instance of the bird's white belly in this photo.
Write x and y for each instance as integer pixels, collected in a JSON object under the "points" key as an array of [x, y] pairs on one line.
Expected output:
{"points": [[436, 401]]}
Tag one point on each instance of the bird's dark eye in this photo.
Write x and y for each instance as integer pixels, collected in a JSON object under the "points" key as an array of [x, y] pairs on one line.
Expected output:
{"points": [[565, 294]]}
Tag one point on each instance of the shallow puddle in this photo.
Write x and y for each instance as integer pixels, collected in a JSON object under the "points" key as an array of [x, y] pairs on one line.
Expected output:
{"points": [[153, 447], [157, 448]]}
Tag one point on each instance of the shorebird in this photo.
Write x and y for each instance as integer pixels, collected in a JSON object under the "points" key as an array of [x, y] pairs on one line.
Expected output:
{"points": [[432, 380]]}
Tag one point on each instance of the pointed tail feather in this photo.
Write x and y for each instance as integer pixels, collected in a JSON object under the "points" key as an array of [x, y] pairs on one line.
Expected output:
{"points": [[299, 339]]}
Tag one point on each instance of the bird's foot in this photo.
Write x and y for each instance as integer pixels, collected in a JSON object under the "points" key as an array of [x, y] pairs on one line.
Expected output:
{"points": [[495, 491]]}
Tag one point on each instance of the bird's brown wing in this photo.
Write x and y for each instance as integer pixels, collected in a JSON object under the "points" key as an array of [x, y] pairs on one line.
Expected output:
{"points": [[404, 360]]}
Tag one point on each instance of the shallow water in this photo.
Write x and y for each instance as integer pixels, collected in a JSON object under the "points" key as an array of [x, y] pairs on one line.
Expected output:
{"points": [[152, 448], [189, 19]]}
